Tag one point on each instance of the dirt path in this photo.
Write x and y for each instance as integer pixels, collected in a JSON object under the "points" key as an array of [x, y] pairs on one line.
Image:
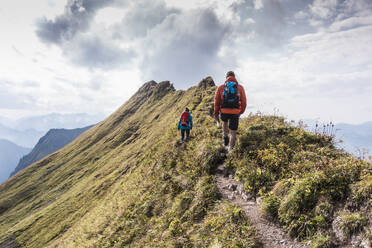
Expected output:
{"points": [[271, 235]]}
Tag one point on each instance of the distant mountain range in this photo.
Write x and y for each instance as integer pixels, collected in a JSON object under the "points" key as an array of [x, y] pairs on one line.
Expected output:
{"points": [[54, 120], [355, 137], [52, 141], [26, 138], [27, 131], [10, 154]]}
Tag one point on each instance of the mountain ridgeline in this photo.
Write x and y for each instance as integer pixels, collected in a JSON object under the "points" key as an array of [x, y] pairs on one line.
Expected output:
{"points": [[52, 141], [127, 182]]}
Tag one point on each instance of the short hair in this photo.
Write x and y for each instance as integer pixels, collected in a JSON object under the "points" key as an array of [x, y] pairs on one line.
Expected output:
{"points": [[187, 110], [230, 74]]}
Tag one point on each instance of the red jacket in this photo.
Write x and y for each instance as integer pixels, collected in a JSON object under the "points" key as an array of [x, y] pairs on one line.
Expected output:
{"points": [[218, 100]]}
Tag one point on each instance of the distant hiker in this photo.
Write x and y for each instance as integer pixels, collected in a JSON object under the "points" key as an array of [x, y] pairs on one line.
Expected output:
{"points": [[230, 101], [185, 124]]}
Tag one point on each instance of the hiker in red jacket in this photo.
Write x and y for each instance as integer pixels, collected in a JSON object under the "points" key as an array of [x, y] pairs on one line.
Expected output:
{"points": [[229, 101], [185, 124]]}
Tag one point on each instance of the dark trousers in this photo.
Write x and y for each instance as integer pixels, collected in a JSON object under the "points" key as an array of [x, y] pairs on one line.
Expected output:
{"points": [[183, 134]]}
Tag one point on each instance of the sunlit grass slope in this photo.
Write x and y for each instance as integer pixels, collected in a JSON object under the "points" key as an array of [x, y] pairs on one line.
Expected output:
{"points": [[127, 183], [315, 191]]}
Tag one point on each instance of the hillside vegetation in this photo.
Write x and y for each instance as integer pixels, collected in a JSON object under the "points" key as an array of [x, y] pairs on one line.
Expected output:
{"points": [[127, 182], [308, 186]]}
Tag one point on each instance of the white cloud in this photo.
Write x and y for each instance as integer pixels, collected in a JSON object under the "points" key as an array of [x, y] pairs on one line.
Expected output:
{"points": [[305, 57], [258, 4], [351, 22], [324, 9], [324, 74]]}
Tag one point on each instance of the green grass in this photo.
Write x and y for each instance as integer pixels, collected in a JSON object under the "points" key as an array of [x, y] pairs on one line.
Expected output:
{"points": [[303, 178], [128, 183]]}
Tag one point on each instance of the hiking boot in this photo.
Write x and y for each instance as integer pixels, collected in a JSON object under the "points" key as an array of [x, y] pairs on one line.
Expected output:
{"points": [[226, 140]]}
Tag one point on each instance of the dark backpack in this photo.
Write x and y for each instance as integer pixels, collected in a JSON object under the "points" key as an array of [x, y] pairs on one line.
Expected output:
{"points": [[230, 96], [185, 119]]}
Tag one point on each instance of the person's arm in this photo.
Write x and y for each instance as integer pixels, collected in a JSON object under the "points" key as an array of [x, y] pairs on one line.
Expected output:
{"points": [[217, 103], [190, 122], [243, 100]]}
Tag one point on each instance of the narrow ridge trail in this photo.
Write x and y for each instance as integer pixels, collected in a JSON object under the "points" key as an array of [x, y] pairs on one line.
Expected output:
{"points": [[270, 235]]}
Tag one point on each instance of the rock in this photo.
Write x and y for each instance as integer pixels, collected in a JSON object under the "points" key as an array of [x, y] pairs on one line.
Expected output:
{"points": [[245, 196], [366, 243], [240, 189], [232, 187], [231, 197], [356, 241], [206, 82]]}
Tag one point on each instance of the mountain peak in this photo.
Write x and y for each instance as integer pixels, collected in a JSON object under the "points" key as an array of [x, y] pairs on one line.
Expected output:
{"points": [[146, 87], [206, 82]]}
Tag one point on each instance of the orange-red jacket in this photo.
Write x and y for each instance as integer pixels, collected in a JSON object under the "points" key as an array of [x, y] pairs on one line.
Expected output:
{"points": [[218, 100]]}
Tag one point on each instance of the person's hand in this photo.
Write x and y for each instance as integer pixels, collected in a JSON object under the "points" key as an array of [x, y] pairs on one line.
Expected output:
{"points": [[217, 121]]}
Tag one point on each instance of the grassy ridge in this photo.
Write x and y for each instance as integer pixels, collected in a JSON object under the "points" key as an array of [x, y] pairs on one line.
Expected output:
{"points": [[126, 182], [311, 188]]}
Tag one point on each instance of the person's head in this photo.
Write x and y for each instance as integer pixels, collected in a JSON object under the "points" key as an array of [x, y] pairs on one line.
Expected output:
{"points": [[187, 110], [230, 74]]}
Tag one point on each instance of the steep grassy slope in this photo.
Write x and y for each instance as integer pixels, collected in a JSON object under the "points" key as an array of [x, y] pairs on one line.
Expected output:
{"points": [[126, 182], [52, 141]]}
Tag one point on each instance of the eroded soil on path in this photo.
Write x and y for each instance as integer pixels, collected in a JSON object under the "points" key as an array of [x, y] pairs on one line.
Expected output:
{"points": [[270, 234]]}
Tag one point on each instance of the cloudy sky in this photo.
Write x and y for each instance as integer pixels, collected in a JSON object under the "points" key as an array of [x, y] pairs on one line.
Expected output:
{"points": [[307, 58]]}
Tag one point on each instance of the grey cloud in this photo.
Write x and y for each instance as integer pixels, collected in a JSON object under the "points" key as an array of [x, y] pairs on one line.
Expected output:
{"points": [[184, 48], [96, 83], [76, 18], [71, 32], [357, 6], [142, 16], [274, 21], [324, 9], [271, 23], [94, 52], [327, 12]]}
